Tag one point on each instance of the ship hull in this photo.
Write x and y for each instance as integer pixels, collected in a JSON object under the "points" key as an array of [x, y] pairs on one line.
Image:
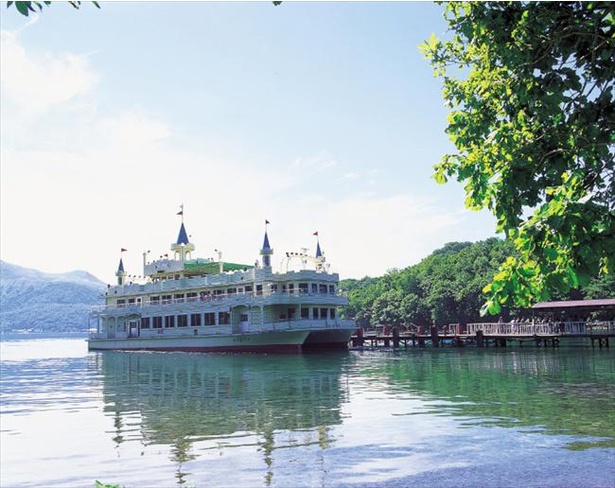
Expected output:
{"points": [[328, 339], [282, 341]]}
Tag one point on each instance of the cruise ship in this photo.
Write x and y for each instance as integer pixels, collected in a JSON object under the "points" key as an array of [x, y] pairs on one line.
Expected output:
{"points": [[192, 304]]}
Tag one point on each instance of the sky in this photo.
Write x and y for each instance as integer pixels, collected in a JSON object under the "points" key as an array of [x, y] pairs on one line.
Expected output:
{"points": [[316, 116]]}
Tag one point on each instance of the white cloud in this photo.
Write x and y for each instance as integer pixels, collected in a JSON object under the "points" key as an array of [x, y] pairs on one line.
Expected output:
{"points": [[384, 232], [130, 130], [315, 163], [101, 178], [35, 83]]}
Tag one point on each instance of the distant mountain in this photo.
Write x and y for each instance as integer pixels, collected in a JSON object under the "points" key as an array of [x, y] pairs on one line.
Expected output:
{"points": [[31, 299]]}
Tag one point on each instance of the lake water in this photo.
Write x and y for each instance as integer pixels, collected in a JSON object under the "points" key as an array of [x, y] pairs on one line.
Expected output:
{"points": [[436, 418]]}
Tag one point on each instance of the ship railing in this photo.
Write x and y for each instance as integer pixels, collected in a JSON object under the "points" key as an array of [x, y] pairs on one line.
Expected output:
{"points": [[225, 329], [303, 324], [233, 298]]}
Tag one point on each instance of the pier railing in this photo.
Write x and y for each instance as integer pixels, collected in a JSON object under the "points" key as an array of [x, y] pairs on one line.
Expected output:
{"points": [[571, 328]]}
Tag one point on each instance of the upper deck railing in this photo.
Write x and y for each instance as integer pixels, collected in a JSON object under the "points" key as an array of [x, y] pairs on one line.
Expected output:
{"points": [[233, 299]]}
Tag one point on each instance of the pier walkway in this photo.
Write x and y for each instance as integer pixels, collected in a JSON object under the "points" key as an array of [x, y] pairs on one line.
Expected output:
{"points": [[497, 334]]}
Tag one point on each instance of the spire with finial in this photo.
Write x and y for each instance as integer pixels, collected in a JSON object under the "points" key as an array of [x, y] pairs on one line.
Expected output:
{"points": [[120, 273], [320, 257], [318, 251], [266, 251], [183, 247]]}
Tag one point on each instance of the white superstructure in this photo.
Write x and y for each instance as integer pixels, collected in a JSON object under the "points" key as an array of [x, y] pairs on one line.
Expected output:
{"points": [[211, 305]]}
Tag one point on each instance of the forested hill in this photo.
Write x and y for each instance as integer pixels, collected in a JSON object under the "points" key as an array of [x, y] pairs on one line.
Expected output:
{"points": [[446, 287]]}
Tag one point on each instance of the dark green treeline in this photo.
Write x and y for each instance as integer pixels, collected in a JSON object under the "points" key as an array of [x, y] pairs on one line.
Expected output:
{"points": [[444, 288]]}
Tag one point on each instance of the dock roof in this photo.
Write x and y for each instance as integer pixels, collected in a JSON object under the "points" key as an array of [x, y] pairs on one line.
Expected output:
{"points": [[575, 305]]}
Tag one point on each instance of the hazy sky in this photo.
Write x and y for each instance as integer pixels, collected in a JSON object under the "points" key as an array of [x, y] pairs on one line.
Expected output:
{"points": [[315, 116]]}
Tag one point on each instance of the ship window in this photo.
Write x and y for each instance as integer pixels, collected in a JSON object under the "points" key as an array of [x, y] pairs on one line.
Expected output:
{"points": [[322, 288], [157, 322], [332, 313], [224, 318], [121, 302], [291, 288], [303, 287], [154, 300], [210, 318], [283, 288], [179, 298], [259, 289], [315, 313], [182, 320], [191, 297], [145, 322], [243, 317], [195, 319], [231, 291], [274, 288], [323, 313], [169, 321], [166, 298], [332, 289], [305, 313], [249, 288], [314, 288], [131, 301], [218, 292]]}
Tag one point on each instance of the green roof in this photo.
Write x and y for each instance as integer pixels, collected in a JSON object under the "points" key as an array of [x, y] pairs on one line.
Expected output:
{"points": [[210, 267]]}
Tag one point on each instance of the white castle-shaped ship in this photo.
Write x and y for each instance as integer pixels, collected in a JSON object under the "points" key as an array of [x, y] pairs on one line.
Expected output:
{"points": [[187, 304]]}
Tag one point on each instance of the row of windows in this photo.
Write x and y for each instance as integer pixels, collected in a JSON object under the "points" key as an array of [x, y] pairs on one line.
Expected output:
{"points": [[317, 313], [194, 296], [223, 318], [185, 320]]}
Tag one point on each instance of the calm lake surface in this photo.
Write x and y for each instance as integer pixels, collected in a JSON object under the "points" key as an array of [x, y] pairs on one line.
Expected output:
{"points": [[515, 417]]}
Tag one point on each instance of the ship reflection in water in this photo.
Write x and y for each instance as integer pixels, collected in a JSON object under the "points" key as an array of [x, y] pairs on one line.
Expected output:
{"points": [[202, 404]]}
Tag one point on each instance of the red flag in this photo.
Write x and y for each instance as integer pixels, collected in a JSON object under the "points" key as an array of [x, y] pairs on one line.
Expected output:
{"points": [[315, 233], [123, 250]]}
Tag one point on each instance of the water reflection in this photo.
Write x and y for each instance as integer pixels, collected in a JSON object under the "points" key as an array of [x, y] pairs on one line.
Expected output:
{"points": [[374, 418], [566, 391], [222, 401]]}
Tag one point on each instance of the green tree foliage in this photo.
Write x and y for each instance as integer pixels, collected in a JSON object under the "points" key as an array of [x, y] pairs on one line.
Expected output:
{"points": [[25, 8], [530, 88], [443, 288]]}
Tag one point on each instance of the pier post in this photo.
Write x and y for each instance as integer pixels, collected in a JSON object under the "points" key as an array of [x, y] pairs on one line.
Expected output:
{"points": [[480, 340], [395, 336], [358, 341], [435, 340]]}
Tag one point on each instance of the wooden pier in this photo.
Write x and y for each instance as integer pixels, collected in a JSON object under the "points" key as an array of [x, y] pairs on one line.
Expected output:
{"points": [[549, 334]]}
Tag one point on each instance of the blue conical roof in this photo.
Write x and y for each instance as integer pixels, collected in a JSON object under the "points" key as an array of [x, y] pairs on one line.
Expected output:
{"points": [[120, 268], [318, 251], [182, 238], [266, 245]]}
